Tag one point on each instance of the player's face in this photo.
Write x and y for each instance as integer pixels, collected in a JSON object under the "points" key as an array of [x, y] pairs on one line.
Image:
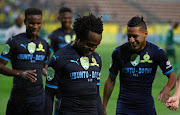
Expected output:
{"points": [[33, 24], [66, 19], [136, 38], [86, 47]]}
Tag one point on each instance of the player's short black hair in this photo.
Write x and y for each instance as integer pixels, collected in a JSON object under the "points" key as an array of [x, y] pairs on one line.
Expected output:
{"points": [[64, 9], [32, 11], [83, 25], [137, 21]]}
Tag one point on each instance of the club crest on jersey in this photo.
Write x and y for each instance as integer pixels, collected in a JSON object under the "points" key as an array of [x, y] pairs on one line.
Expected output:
{"points": [[94, 62], [31, 47], [50, 74], [135, 59], [67, 39], [146, 58], [73, 37], [6, 49], [40, 48], [85, 62]]}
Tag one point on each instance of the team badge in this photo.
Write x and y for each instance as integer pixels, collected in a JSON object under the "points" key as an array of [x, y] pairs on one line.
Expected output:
{"points": [[40, 48], [146, 58], [94, 63], [85, 62], [67, 39], [50, 74], [73, 37], [6, 49], [135, 59], [31, 47]]}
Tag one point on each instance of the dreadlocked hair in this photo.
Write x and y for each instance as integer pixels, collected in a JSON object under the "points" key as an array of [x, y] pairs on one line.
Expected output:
{"points": [[32, 11], [137, 21], [83, 25]]}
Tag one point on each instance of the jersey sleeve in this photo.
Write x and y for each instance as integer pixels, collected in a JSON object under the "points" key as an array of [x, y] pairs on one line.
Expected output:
{"points": [[51, 87], [51, 79], [164, 63], [114, 68], [8, 50], [55, 65]]}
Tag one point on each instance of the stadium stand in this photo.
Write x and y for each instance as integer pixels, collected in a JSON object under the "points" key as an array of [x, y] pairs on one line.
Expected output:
{"points": [[165, 11], [112, 11], [117, 10]]}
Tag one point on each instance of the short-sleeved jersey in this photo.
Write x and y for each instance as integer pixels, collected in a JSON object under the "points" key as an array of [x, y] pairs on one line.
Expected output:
{"points": [[77, 78], [59, 39], [26, 55], [76, 75], [137, 72]]}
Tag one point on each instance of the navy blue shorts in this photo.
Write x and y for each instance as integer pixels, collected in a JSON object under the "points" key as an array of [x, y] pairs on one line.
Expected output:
{"points": [[99, 106], [79, 105], [134, 109], [25, 106], [77, 113]]}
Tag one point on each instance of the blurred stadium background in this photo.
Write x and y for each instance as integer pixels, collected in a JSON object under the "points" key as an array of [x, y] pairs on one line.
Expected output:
{"points": [[158, 14]]}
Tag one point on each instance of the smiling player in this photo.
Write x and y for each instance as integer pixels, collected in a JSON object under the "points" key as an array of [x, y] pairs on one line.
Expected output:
{"points": [[28, 54], [60, 38], [137, 63], [77, 70]]}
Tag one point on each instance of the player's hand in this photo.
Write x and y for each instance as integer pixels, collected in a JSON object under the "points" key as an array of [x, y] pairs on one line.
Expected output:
{"points": [[164, 95], [173, 103], [28, 75]]}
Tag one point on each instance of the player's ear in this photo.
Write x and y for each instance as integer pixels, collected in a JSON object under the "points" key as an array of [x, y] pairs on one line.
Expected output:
{"points": [[146, 33]]}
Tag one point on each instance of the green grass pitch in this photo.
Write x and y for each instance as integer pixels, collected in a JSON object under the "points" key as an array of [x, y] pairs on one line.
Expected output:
{"points": [[105, 50]]}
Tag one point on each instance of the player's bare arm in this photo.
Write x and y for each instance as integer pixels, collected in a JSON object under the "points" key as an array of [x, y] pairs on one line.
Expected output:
{"points": [[165, 93], [173, 102], [108, 88], [28, 75], [177, 92]]}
